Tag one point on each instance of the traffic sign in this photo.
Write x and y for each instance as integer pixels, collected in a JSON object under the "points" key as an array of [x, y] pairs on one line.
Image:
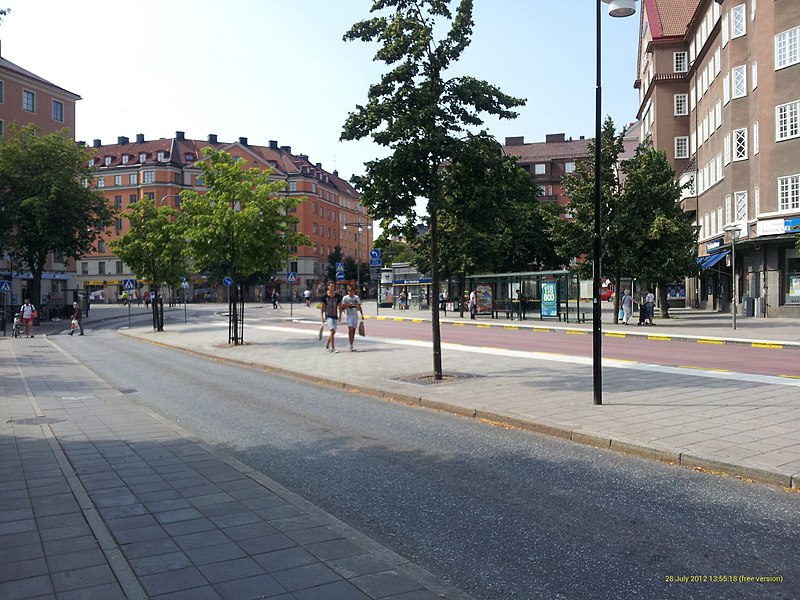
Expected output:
{"points": [[185, 284], [375, 262], [291, 277], [5, 285], [340, 267], [228, 282], [339, 275], [375, 253], [128, 284]]}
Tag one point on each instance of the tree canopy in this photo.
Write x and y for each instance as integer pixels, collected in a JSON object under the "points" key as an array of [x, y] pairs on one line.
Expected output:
{"points": [[46, 204], [418, 112]]}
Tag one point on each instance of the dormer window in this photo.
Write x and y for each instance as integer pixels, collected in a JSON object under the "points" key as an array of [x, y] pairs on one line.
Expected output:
{"points": [[107, 161], [161, 156], [125, 159], [91, 162], [142, 157], [189, 157]]}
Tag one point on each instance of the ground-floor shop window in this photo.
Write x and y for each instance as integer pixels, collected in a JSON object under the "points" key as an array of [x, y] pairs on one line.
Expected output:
{"points": [[792, 277]]}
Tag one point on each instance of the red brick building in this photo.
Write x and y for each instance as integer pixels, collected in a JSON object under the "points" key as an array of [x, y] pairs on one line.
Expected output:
{"points": [[158, 170]]}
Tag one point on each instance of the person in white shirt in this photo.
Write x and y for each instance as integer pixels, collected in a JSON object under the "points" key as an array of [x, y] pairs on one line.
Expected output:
{"points": [[351, 306], [28, 312]]}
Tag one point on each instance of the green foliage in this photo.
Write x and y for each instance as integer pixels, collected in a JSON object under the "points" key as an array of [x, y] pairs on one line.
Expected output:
{"points": [[45, 207], [334, 257], [419, 113], [155, 246], [241, 225]]}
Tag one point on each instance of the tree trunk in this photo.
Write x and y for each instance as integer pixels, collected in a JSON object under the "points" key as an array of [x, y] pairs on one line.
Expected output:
{"points": [[436, 330], [662, 300]]}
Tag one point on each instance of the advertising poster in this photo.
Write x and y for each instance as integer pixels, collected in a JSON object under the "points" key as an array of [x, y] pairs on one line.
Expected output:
{"points": [[549, 304], [485, 298]]}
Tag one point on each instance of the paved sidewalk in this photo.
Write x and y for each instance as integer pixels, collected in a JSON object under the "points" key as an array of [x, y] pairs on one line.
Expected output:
{"points": [[101, 499], [738, 424]]}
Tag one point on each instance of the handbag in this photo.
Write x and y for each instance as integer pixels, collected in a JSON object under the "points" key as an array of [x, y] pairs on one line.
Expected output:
{"points": [[361, 331], [74, 324], [621, 314]]}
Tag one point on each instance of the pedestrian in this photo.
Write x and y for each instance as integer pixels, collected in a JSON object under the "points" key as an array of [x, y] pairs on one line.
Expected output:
{"points": [[28, 312], [147, 299], [274, 299], [627, 306], [124, 298], [307, 296], [403, 300], [77, 318], [16, 330], [330, 315], [473, 304], [351, 306], [650, 303]]}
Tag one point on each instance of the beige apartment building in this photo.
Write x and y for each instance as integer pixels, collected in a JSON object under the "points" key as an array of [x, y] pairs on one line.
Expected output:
{"points": [[719, 91]]}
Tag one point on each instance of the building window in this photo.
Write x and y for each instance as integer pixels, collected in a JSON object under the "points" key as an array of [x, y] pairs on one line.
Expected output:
{"points": [[58, 111], [125, 159], [107, 161], [118, 201], [149, 176], [28, 101], [101, 182], [569, 167], [142, 157], [681, 105], [792, 281], [789, 192], [118, 266], [740, 200], [152, 196], [118, 224], [738, 21], [84, 268], [292, 186], [787, 121], [757, 200], [2, 92], [117, 180], [786, 48], [101, 246], [682, 146], [739, 81], [681, 62], [539, 169], [132, 199], [727, 148], [740, 144], [726, 89], [725, 30], [754, 75], [101, 268]]}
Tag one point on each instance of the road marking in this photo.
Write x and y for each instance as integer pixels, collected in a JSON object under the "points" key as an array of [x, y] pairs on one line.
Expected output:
{"points": [[717, 342], [762, 345]]}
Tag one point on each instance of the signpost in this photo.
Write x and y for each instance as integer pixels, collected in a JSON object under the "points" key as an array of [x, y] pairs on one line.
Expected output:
{"points": [[291, 279], [375, 264], [184, 287], [129, 285], [5, 287]]}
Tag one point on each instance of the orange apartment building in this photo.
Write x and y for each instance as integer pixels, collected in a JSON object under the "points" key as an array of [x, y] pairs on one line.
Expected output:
{"points": [[27, 98], [719, 91], [158, 170]]}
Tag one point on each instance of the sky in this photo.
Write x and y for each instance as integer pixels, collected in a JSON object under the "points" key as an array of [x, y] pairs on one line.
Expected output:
{"points": [[279, 70]]}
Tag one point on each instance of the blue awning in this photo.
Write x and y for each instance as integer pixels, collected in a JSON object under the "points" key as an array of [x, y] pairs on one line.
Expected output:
{"points": [[706, 262]]}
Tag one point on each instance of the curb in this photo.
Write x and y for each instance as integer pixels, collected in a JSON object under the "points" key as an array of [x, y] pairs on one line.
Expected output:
{"points": [[676, 457]]}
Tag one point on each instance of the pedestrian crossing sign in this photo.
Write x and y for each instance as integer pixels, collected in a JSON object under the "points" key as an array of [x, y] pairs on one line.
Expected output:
{"points": [[5, 285], [291, 277], [128, 284]]}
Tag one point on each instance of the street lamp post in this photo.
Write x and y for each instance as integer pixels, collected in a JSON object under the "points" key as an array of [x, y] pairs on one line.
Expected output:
{"points": [[735, 232], [616, 8], [360, 227]]}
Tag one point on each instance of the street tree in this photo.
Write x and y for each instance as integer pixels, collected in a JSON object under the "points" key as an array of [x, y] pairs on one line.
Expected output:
{"points": [[47, 206], [664, 248], [155, 246], [420, 113], [572, 237], [242, 223]]}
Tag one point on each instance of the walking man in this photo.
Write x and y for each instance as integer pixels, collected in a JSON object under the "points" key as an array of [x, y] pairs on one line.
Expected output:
{"points": [[351, 305], [77, 316], [330, 315]]}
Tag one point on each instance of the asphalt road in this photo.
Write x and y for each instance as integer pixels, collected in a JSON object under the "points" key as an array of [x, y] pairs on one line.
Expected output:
{"points": [[503, 514]]}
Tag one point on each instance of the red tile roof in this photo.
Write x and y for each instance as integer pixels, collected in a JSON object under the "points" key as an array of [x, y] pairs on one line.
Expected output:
{"points": [[669, 18]]}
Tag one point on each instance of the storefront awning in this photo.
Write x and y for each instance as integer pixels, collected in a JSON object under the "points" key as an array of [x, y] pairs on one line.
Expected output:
{"points": [[706, 262]]}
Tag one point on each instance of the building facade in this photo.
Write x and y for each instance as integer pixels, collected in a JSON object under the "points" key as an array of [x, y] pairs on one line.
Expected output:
{"points": [[27, 98], [158, 170], [719, 92]]}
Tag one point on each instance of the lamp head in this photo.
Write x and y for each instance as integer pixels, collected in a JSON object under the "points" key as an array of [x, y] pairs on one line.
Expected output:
{"points": [[621, 8]]}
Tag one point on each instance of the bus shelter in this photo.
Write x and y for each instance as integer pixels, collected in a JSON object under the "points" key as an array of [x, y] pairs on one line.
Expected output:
{"points": [[533, 295]]}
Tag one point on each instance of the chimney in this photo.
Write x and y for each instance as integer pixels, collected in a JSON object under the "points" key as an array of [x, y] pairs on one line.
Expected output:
{"points": [[335, 173], [302, 156], [515, 141], [287, 149], [96, 143], [212, 138], [122, 140], [243, 141], [551, 138], [319, 166], [140, 138], [180, 135], [273, 144]]}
